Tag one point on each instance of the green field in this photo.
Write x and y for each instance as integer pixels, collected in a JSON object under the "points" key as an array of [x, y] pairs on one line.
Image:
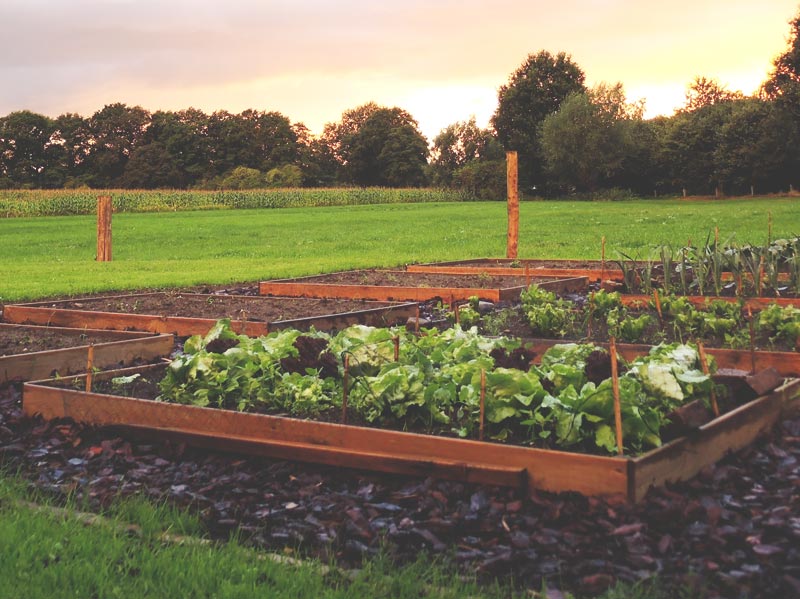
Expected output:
{"points": [[55, 255]]}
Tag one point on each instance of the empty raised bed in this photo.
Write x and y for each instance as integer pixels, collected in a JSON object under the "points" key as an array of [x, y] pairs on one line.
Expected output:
{"points": [[593, 270], [29, 352], [409, 453], [401, 285], [187, 314]]}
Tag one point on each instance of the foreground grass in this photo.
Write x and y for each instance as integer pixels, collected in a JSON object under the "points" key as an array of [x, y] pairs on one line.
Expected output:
{"points": [[47, 553], [55, 255]]}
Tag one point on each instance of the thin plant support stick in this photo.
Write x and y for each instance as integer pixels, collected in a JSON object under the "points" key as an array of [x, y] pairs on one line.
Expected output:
{"points": [[243, 322], [612, 347], [396, 341], [527, 275], [416, 322], [760, 274], [704, 363], [483, 404], [602, 257], [456, 312], [89, 368], [716, 237], [658, 309], [591, 316], [345, 381], [769, 227], [751, 326]]}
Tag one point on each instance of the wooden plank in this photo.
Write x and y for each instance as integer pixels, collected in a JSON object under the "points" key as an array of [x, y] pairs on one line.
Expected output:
{"points": [[186, 326], [56, 331], [755, 303], [42, 364], [384, 292], [502, 271], [546, 469], [786, 363], [683, 458]]}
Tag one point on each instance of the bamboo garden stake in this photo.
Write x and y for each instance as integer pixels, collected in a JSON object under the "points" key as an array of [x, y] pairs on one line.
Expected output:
{"points": [[612, 347]]}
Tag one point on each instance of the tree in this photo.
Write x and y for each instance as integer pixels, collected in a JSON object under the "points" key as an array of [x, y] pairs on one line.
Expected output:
{"points": [[25, 148], [379, 146], [184, 137], [783, 84], [112, 134], [150, 166], [585, 143], [707, 92], [459, 144], [534, 91]]}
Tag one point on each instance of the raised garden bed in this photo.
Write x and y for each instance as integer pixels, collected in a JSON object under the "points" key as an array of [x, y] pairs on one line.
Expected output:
{"points": [[409, 453], [593, 270], [400, 285], [34, 352], [187, 314]]}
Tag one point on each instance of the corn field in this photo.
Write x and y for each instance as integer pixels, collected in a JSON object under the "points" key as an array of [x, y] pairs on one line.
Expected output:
{"points": [[26, 203]]}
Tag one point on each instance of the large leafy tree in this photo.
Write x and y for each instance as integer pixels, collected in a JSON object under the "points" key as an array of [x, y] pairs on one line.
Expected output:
{"points": [[783, 84], [26, 150], [534, 91], [379, 146], [586, 142], [458, 145], [183, 136], [707, 92], [112, 134]]}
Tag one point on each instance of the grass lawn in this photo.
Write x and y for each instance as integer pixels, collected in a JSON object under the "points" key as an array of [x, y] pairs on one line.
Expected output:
{"points": [[55, 255]]}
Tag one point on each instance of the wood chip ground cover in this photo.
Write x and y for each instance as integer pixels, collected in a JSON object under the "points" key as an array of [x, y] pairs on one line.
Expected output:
{"points": [[731, 532]]}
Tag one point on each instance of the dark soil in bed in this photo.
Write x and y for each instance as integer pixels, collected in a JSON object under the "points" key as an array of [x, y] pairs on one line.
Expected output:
{"points": [[397, 278], [15, 341], [731, 532], [218, 306]]}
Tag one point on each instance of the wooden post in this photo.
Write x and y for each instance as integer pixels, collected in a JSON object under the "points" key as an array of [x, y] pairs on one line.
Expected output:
{"points": [[104, 228], [512, 187], [612, 348], [603, 258]]}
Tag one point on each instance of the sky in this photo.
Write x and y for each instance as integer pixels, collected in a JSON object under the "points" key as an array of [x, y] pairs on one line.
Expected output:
{"points": [[441, 60]]}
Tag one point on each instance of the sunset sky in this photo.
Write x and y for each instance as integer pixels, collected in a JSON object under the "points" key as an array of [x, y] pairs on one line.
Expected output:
{"points": [[312, 59]]}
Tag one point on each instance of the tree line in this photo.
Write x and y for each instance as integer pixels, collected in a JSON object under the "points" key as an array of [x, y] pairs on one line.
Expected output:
{"points": [[571, 140]]}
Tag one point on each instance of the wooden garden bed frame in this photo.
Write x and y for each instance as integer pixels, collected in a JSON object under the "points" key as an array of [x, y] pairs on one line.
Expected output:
{"points": [[415, 454], [754, 303], [120, 348], [596, 271], [312, 287], [44, 313]]}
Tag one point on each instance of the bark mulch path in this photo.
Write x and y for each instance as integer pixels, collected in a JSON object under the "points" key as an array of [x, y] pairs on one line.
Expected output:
{"points": [[733, 531]]}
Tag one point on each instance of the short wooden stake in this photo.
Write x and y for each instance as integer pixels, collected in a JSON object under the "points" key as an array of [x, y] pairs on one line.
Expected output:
{"points": [[512, 190], [760, 275], [483, 404], [345, 380], [704, 363], [612, 347], [751, 326], [243, 317], [716, 237], [396, 341], [456, 311], [416, 322], [89, 368], [769, 227], [658, 309], [602, 257], [527, 275], [104, 228]]}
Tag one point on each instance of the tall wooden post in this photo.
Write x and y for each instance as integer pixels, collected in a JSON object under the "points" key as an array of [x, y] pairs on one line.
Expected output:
{"points": [[512, 186], [104, 229]]}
